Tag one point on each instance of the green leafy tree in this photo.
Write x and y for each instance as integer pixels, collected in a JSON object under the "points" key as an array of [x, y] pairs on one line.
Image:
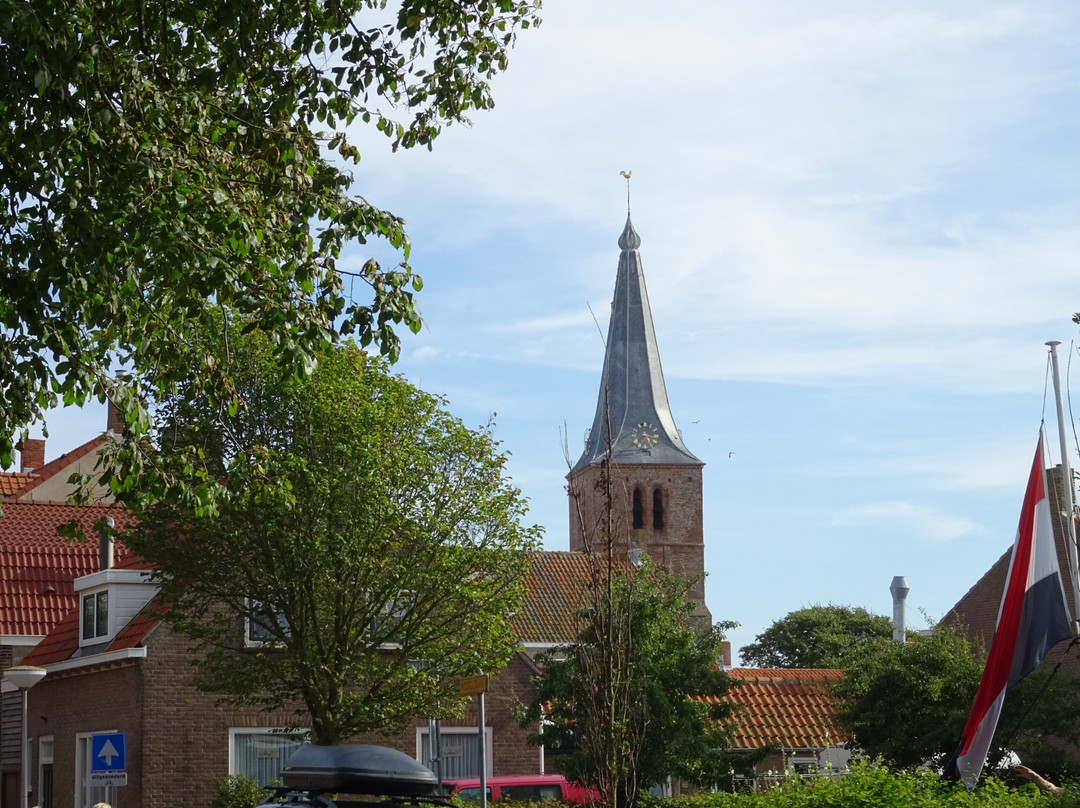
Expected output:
{"points": [[907, 702], [367, 551], [164, 164], [1040, 721], [815, 637], [650, 701]]}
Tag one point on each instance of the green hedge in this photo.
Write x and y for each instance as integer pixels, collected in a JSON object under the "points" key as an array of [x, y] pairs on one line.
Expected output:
{"points": [[874, 786]]}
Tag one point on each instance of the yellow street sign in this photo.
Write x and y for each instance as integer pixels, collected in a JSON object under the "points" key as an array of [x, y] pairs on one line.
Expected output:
{"points": [[473, 685]]}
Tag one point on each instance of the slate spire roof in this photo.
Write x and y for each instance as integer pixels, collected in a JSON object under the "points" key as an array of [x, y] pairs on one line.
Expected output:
{"points": [[633, 398]]}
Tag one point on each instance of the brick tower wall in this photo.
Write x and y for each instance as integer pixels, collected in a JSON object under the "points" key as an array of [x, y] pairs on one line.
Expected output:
{"points": [[675, 542]]}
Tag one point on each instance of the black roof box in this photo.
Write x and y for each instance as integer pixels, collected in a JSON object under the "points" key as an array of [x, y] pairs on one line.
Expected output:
{"points": [[357, 769]]}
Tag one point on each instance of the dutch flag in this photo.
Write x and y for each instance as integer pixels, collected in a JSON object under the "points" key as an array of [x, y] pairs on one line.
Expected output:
{"points": [[1033, 617]]}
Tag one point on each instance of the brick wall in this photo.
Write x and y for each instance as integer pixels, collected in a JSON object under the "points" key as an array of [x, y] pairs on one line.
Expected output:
{"points": [[678, 546], [178, 738], [62, 705]]}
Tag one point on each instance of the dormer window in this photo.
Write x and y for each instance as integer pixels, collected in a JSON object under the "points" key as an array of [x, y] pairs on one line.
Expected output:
{"points": [[108, 600], [95, 615]]}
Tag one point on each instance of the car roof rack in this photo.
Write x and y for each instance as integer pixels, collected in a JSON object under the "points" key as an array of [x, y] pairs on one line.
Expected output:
{"points": [[360, 769]]}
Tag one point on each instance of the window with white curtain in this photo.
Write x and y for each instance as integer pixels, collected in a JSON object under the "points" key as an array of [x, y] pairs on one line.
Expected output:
{"points": [[260, 753]]}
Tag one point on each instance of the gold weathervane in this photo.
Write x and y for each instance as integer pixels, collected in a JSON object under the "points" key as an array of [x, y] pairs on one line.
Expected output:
{"points": [[627, 174]]}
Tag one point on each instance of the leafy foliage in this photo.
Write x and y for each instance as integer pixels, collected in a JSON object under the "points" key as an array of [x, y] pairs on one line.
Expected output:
{"points": [[239, 791], [875, 785], [653, 694], [1040, 720], [366, 538], [164, 164], [815, 637], [907, 702]]}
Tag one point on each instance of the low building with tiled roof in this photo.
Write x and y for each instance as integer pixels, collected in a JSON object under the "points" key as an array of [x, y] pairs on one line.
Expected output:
{"points": [[792, 712]]}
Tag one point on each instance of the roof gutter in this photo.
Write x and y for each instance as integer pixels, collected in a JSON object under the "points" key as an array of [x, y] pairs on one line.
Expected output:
{"points": [[96, 659]]}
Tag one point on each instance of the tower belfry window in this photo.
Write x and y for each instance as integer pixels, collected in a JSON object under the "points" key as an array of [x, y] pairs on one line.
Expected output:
{"points": [[639, 510], [657, 509]]}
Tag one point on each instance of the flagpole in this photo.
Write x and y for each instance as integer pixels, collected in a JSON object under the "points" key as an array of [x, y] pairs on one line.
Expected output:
{"points": [[1067, 487]]}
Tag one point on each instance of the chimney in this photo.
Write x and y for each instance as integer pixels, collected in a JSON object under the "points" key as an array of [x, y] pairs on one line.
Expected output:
{"points": [[899, 589], [725, 654], [31, 454], [114, 422], [106, 557]]}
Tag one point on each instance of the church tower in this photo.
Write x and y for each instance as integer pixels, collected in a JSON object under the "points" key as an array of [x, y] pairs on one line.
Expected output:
{"points": [[655, 488]]}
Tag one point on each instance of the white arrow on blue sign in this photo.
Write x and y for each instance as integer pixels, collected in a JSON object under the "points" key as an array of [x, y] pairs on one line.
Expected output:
{"points": [[108, 752]]}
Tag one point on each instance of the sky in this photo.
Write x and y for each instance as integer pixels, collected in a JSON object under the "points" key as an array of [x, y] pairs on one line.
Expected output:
{"points": [[860, 223]]}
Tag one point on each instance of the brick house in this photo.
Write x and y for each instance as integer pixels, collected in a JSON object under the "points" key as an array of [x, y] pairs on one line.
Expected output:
{"points": [[136, 678], [37, 570], [38, 567]]}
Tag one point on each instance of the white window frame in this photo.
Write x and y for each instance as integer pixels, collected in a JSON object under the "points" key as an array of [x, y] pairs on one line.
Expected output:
{"points": [[94, 598], [86, 795], [235, 732], [489, 746], [252, 629]]}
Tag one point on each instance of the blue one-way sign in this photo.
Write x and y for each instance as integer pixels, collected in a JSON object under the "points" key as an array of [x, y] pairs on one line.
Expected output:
{"points": [[108, 752]]}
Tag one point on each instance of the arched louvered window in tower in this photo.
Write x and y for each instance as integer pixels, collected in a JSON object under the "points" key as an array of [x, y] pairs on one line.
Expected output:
{"points": [[639, 510], [657, 509]]}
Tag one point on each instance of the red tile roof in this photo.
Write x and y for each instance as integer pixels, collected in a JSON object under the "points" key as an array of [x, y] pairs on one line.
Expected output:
{"points": [[12, 481], [557, 588], [63, 640], [788, 707], [37, 567], [57, 465]]}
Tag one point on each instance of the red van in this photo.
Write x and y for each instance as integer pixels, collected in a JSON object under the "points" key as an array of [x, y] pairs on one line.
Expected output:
{"points": [[521, 787]]}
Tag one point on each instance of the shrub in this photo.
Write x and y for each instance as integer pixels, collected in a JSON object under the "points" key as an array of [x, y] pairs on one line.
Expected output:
{"points": [[875, 786], [238, 791]]}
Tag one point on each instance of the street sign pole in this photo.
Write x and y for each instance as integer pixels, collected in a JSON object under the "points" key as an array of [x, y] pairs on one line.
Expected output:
{"points": [[477, 686], [483, 755]]}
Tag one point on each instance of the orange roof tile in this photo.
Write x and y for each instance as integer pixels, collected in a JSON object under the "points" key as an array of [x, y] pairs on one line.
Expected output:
{"points": [[12, 481], [791, 708], [557, 588], [37, 567]]}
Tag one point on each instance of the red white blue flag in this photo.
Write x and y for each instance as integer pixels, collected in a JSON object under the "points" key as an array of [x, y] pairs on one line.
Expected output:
{"points": [[1033, 618]]}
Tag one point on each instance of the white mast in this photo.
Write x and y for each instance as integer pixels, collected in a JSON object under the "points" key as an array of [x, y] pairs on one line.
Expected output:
{"points": [[1066, 486]]}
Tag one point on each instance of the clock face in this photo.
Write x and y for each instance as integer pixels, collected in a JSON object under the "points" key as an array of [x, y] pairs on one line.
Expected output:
{"points": [[645, 435]]}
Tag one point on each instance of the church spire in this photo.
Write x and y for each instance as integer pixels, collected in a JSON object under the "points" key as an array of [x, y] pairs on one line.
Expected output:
{"points": [[633, 398]]}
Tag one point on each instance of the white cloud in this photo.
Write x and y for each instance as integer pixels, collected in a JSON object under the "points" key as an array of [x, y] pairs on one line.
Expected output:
{"points": [[921, 521]]}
